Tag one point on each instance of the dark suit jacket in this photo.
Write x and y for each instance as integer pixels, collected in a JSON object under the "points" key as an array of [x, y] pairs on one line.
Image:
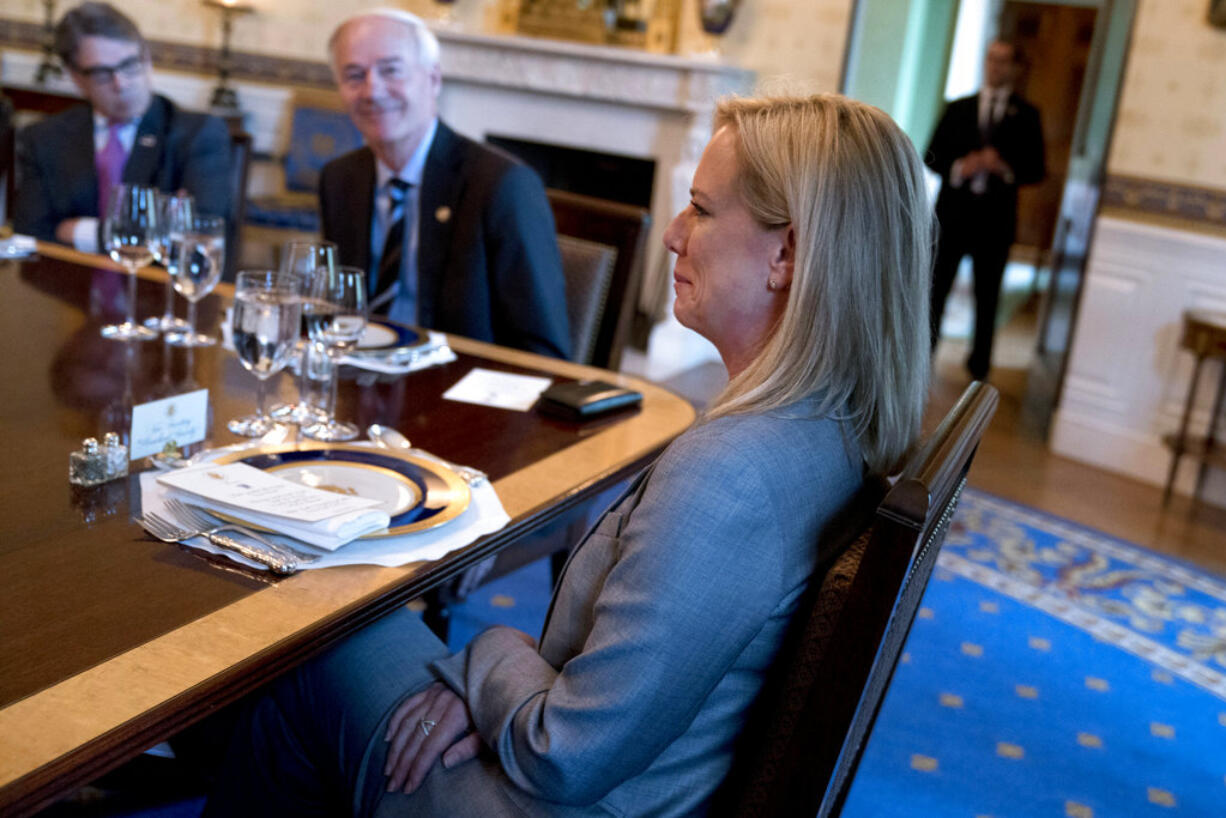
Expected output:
{"points": [[487, 252], [1017, 137], [173, 149]]}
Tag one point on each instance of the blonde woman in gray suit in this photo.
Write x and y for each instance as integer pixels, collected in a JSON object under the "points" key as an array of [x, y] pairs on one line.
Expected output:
{"points": [[804, 256]]}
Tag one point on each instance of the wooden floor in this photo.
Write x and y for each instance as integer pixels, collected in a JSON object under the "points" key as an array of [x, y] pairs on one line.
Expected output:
{"points": [[1015, 463]]}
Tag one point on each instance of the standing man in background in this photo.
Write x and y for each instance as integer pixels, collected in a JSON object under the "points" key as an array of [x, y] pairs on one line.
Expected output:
{"points": [[454, 235], [68, 164], [984, 147]]}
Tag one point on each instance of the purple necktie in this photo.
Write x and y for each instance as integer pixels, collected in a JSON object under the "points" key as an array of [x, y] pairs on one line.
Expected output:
{"points": [[109, 162]]}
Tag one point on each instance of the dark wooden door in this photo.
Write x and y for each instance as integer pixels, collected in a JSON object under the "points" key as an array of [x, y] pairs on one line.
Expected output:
{"points": [[1055, 44]]}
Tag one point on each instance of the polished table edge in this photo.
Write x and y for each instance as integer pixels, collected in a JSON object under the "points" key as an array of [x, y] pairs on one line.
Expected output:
{"points": [[67, 734], [60, 252]]}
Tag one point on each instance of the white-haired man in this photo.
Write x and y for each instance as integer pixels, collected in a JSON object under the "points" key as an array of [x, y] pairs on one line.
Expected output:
{"points": [[454, 235]]}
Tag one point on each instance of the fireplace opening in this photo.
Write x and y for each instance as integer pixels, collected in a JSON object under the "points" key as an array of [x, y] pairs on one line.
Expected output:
{"points": [[625, 179]]}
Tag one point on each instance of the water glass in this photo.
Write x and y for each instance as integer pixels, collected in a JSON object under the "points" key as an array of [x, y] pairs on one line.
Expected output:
{"points": [[304, 258], [129, 234], [197, 269], [176, 212], [334, 308], [264, 328]]}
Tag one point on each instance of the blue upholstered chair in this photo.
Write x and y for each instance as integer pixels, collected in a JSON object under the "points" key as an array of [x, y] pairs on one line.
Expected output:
{"points": [[317, 135]]}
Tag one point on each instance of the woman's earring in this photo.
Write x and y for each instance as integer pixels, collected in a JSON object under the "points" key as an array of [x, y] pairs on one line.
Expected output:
{"points": [[772, 284]]}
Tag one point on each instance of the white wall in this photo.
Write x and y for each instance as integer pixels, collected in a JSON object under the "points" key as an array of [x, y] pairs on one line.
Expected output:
{"points": [[1127, 375]]}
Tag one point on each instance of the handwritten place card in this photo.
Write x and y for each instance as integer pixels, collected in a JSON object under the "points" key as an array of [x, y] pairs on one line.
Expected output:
{"points": [[245, 488], [181, 418], [503, 390]]}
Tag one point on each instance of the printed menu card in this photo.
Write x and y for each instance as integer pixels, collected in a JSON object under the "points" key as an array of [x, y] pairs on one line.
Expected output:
{"points": [[246, 488]]}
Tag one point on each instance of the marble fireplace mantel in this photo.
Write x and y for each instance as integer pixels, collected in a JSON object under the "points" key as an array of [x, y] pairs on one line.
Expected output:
{"points": [[593, 72], [598, 98]]}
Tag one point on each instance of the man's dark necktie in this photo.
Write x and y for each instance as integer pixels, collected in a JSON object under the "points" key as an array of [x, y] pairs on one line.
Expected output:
{"points": [[388, 279], [987, 126]]}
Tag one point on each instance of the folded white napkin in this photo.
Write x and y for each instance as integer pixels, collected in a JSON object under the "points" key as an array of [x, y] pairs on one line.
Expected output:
{"points": [[312, 515], [484, 515], [17, 246], [434, 353], [329, 534]]}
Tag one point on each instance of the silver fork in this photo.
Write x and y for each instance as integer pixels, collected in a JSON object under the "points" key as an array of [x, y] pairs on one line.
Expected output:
{"points": [[166, 531], [208, 524]]}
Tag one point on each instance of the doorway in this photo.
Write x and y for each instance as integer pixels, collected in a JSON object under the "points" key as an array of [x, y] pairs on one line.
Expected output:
{"points": [[1074, 54], [1055, 43]]}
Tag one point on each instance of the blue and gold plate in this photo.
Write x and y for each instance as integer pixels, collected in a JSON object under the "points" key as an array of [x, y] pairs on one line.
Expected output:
{"points": [[383, 338], [417, 494]]}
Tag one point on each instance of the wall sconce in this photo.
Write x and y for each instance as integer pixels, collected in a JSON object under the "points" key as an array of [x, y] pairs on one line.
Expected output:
{"points": [[716, 15], [50, 66], [225, 98]]}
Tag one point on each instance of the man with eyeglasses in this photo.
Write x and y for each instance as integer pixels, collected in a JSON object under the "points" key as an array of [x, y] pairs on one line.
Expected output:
{"points": [[454, 235], [68, 164]]}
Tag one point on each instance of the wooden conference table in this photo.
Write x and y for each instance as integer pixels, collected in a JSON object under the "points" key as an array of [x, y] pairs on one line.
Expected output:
{"points": [[111, 641]]}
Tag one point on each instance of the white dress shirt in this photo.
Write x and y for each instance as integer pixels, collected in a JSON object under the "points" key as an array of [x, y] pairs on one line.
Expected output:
{"points": [[992, 104]]}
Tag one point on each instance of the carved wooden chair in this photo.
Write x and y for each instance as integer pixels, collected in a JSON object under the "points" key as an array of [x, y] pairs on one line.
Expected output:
{"points": [[809, 727], [240, 164], [8, 134], [603, 245]]}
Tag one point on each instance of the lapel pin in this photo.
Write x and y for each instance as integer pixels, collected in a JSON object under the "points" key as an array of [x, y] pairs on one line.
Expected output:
{"points": [[443, 214], [147, 140]]}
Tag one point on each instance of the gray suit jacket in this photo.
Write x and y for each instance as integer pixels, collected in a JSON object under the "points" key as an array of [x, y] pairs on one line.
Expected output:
{"points": [[487, 253], [174, 149], [659, 635]]}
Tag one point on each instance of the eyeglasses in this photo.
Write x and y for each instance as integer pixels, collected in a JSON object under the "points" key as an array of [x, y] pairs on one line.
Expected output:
{"points": [[103, 74]]}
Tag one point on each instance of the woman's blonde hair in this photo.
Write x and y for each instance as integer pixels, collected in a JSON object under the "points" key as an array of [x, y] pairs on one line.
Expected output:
{"points": [[854, 332]]}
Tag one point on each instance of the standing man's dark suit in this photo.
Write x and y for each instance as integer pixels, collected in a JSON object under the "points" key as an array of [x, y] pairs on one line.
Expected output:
{"points": [[174, 149], [981, 223], [487, 263]]}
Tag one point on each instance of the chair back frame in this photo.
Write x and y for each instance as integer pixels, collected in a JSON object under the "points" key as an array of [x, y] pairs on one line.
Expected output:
{"points": [[801, 760], [240, 168], [624, 228]]}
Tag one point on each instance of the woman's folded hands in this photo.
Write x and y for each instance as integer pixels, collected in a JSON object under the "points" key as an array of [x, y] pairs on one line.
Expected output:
{"points": [[427, 725]]}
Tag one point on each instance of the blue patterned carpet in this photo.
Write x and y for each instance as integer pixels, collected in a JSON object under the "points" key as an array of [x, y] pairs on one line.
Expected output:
{"points": [[1053, 671]]}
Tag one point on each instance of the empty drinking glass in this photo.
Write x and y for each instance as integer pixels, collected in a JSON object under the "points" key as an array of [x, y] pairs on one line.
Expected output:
{"points": [[175, 215], [304, 258], [335, 311], [197, 269], [129, 233], [264, 328]]}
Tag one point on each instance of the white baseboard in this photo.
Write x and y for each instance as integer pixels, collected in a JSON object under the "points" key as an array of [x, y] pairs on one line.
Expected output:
{"points": [[1127, 452]]}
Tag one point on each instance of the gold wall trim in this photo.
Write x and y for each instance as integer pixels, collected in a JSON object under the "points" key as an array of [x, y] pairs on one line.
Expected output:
{"points": [[194, 59], [1196, 204]]}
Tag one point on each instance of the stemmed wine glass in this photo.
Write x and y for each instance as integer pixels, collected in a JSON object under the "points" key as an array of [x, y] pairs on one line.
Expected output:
{"points": [[197, 269], [264, 328], [335, 312], [129, 233], [175, 212], [304, 259]]}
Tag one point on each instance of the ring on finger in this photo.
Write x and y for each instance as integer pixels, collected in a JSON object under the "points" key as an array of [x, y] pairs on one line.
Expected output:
{"points": [[426, 725]]}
